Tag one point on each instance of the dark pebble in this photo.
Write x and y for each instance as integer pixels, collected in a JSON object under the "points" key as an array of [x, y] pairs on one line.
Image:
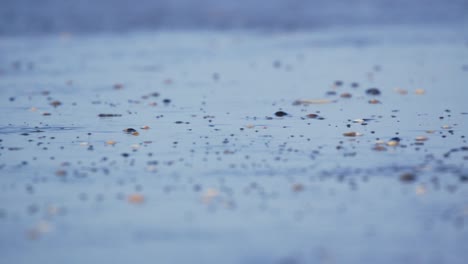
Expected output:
{"points": [[407, 177], [281, 114], [109, 115], [55, 103], [373, 91], [129, 130]]}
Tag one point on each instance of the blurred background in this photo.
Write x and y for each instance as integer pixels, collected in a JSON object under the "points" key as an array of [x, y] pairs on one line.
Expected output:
{"points": [[19, 17]]}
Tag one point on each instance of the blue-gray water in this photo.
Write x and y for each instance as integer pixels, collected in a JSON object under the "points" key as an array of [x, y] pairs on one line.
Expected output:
{"points": [[45, 16]]}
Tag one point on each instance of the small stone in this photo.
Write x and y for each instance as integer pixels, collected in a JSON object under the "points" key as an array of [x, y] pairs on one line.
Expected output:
{"points": [[379, 148], [421, 138], [209, 195], [393, 143], [111, 142], [61, 173], [130, 130], [118, 86], [55, 103], [109, 115], [297, 187], [338, 83], [352, 134], [136, 198], [311, 101], [401, 91], [281, 114], [360, 120], [419, 91], [373, 91], [346, 95], [407, 177]]}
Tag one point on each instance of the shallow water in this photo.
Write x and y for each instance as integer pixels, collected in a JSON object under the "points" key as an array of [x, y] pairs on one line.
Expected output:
{"points": [[19, 17], [218, 177]]}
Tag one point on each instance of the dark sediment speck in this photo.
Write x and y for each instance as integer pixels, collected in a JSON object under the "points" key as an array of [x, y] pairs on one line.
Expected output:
{"points": [[407, 177], [109, 115], [373, 91], [129, 130], [281, 114], [55, 103]]}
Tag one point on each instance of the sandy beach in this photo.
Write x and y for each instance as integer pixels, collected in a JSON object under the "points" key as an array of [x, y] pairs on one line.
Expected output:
{"points": [[326, 145]]}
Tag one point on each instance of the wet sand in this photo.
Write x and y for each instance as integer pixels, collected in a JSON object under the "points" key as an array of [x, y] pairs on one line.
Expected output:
{"points": [[235, 147]]}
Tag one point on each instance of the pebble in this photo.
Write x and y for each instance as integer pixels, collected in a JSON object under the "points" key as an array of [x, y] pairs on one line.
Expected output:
{"points": [[136, 198], [360, 121], [311, 101], [118, 86], [373, 91], [61, 173], [379, 148], [109, 115], [55, 103], [401, 91], [421, 138], [297, 187], [209, 195], [131, 131], [352, 134], [419, 91], [281, 114], [407, 177], [338, 83], [111, 142], [346, 95]]}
